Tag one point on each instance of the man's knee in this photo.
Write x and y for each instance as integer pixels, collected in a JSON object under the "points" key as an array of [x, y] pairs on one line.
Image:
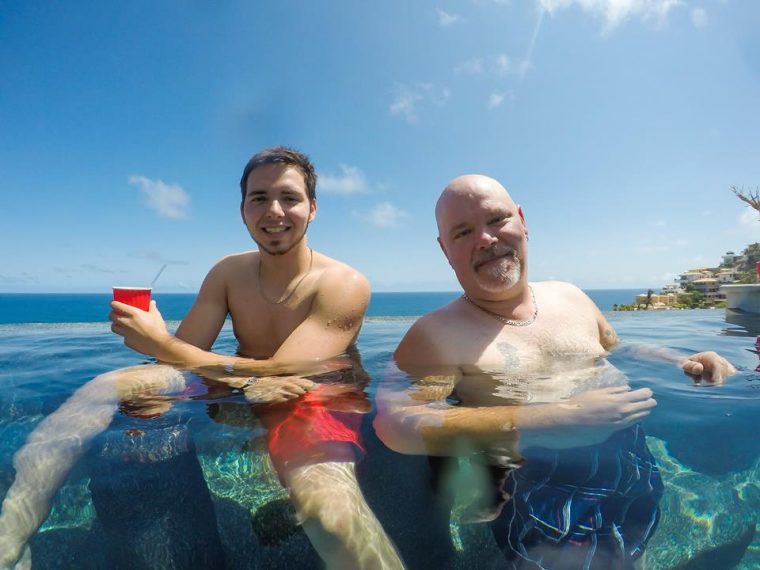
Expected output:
{"points": [[132, 381], [326, 494]]}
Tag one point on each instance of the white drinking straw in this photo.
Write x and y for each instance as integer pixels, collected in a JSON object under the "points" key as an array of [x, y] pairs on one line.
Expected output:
{"points": [[160, 271]]}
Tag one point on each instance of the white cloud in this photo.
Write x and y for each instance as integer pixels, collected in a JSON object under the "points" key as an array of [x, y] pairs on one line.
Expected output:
{"points": [[614, 12], [502, 64], [351, 180], [495, 100], [167, 200], [472, 66], [386, 215], [408, 98], [445, 19], [699, 18], [405, 104], [436, 94], [499, 65], [660, 223]]}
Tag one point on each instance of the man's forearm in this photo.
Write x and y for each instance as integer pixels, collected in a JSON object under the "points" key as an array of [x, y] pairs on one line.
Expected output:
{"points": [[219, 366], [175, 351], [650, 352], [440, 429]]}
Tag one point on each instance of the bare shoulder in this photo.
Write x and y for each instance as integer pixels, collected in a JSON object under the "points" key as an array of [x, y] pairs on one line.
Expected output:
{"points": [[581, 306], [339, 280], [560, 289], [235, 262], [426, 342], [341, 294]]}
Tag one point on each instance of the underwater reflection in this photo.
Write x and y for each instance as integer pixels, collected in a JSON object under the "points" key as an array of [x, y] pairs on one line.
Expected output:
{"points": [[554, 457]]}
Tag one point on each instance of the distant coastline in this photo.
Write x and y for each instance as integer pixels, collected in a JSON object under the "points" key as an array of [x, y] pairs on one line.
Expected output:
{"points": [[700, 288]]}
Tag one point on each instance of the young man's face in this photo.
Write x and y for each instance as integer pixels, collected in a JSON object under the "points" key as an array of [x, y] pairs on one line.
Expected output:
{"points": [[276, 209]]}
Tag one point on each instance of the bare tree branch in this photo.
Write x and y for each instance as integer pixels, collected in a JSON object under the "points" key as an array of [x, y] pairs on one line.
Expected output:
{"points": [[750, 197]]}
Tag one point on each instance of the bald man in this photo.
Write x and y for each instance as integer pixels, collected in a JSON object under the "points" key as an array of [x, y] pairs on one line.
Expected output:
{"points": [[512, 374]]}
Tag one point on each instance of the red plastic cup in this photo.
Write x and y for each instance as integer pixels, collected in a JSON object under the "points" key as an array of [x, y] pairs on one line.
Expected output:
{"points": [[135, 296]]}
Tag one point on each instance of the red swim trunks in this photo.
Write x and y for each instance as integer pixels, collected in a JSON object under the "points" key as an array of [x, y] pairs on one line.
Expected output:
{"points": [[322, 425]]}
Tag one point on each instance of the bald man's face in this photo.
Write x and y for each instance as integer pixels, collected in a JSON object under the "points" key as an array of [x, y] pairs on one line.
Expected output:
{"points": [[483, 234]]}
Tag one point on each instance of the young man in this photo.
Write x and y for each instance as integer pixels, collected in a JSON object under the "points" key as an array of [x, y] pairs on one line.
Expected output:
{"points": [[524, 363], [292, 311]]}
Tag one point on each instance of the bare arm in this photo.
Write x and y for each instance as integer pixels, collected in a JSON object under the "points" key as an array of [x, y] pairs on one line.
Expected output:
{"points": [[334, 321], [418, 420], [709, 366]]}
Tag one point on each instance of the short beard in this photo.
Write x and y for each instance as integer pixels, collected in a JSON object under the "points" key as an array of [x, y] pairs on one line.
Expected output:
{"points": [[499, 276], [263, 248]]}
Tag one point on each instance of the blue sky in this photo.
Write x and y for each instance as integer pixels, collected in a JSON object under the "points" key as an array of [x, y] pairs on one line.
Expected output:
{"points": [[618, 125]]}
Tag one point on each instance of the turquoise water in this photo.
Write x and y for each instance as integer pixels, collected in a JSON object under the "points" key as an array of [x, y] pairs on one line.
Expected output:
{"points": [[215, 490]]}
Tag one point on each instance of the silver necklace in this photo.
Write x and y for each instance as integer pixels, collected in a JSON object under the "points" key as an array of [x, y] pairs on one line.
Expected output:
{"points": [[506, 321], [293, 290]]}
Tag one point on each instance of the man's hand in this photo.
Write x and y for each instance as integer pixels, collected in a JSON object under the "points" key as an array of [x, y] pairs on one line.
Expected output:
{"points": [[277, 389], [143, 331], [591, 417], [708, 366]]}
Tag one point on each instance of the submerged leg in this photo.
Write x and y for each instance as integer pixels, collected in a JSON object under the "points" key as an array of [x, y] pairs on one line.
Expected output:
{"points": [[337, 518], [60, 440]]}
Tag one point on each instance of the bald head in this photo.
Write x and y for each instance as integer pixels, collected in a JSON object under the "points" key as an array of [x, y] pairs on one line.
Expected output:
{"points": [[467, 188]]}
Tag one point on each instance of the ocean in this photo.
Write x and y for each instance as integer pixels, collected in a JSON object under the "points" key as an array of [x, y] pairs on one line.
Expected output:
{"points": [[93, 307], [189, 483]]}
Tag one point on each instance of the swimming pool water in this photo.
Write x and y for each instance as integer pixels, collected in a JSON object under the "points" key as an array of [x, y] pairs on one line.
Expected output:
{"points": [[198, 478]]}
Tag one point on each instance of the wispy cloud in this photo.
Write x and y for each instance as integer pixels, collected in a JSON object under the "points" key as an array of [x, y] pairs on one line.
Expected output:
{"points": [[384, 215], [98, 269], [157, 257], [699, 18], [472, 66], [16, 279], [167, 200], [614, 12], [408, 98], [495, 100], [445, 19], [498, 66], [351, 180], [405, 103], [505, 65]]}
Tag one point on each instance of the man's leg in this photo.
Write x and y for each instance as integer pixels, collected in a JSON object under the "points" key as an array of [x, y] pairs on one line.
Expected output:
{"points": [[60, 440], [337, 518]]}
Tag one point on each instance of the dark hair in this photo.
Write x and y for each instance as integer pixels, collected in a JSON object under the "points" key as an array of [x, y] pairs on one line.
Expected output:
{"points": [[286, 157]]}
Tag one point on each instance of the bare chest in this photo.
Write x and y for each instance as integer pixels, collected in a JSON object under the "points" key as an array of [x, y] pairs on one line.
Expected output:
{"points": [[261, 327], [533, 348]]}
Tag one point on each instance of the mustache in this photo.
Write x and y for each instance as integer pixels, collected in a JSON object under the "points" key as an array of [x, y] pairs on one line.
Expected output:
{"points": [[495, 252]]}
